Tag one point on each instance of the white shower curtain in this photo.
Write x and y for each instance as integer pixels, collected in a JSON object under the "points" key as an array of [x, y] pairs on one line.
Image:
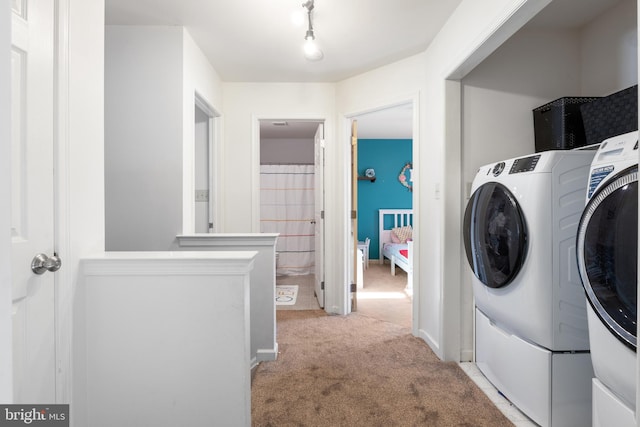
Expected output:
{"points": [[287, 207]]}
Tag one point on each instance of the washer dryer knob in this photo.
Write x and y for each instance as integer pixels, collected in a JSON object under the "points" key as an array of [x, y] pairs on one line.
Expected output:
{"points": [[498, 168]]}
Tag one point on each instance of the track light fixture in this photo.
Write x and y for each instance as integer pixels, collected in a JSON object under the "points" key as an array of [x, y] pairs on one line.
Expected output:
{"points": [[311, 50]]}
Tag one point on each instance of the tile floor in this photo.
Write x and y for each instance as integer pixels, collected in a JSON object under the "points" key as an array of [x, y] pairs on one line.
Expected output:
{"points": [[383, 298], [306, 299], [507, 408]]}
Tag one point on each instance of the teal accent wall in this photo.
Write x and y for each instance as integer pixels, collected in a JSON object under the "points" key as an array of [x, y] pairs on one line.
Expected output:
{"points": [[387, 157]]}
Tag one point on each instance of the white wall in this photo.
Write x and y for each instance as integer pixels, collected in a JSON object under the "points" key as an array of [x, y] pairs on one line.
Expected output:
{"points": [[152, 77], [143, 137], [244, 105], [529, 70], [286, 150], [609, 51]]}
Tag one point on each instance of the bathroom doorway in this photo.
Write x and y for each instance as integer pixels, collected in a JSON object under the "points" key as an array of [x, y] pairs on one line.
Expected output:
{"points": [[291, 204]]}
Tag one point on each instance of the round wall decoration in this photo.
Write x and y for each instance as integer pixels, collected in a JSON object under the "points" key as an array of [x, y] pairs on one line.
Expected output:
{"points": [[405, 176]]}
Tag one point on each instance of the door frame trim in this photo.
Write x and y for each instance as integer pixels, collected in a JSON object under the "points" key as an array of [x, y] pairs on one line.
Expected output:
{"points": [[188, 221], [63, 279], [255, 178], [6, 325]]}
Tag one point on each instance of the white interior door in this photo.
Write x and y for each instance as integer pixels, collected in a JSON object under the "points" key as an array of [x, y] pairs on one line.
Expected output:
{"points": [[32, 57], [319, 213]]}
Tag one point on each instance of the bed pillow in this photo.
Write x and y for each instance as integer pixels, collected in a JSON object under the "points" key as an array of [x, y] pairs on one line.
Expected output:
{"points": [[402, 233]]}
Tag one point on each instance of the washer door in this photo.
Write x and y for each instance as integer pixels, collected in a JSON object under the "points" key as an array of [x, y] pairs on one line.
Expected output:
{"points": [[607, 248], [495, 235]]}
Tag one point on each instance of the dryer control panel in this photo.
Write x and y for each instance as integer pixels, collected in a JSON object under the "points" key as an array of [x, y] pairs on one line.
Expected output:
{"points": [[524, 164]]}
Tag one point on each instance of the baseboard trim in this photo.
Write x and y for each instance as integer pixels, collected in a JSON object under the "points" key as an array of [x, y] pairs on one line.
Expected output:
{"points": [[430, 342], [466, 356], [264, 355]]}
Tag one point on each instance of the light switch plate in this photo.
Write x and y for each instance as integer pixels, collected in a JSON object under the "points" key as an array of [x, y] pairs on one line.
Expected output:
{"points": [[202, 195]]}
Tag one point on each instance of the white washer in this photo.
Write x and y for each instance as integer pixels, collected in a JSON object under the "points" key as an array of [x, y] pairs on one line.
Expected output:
{"points": [[607, 252], [532, 337], [520, 230]]}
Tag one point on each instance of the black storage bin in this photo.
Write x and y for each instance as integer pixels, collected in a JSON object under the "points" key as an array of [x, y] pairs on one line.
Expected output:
{"points": [[611, 115], [558, 124]]}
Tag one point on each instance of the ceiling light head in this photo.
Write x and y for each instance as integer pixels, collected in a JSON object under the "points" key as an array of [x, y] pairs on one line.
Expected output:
{"points": [[311, 51]]}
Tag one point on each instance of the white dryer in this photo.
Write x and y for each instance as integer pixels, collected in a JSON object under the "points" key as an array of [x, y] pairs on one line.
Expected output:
{"points": [[607, 249], [531, 329]]}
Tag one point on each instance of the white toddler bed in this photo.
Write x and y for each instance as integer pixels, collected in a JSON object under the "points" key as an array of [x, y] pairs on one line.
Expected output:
{"points": [[400, 254]]}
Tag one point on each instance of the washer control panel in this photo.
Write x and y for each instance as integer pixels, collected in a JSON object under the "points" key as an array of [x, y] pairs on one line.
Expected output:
{"points": [[524, 164]]}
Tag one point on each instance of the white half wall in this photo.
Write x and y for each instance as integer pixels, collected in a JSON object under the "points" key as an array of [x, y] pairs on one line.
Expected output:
{"points": [[164, 339], [262, 287]]}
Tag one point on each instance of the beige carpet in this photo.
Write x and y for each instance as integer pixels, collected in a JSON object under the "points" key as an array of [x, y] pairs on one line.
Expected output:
{"points": [[383, 296], [358, 371]]}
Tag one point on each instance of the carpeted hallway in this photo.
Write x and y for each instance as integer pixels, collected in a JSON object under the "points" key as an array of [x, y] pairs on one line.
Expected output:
{"points": [[365, 369], [359, 371]]}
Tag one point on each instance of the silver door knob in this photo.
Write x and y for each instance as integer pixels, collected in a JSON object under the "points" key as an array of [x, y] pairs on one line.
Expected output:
{"points": [[42, 263]]}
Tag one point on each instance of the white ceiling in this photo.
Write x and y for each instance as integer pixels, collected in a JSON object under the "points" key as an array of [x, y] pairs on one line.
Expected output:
{"points": [[255, 40]]}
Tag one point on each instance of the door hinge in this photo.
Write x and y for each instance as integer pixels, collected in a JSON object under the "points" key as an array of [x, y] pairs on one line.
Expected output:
{"points": [[322, 286], [354, 215], [321, 214], [354, 288]]}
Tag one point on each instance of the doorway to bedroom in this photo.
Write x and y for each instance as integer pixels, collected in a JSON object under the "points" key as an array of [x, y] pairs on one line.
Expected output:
{"points": [[385, 213], [292, 204]]}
